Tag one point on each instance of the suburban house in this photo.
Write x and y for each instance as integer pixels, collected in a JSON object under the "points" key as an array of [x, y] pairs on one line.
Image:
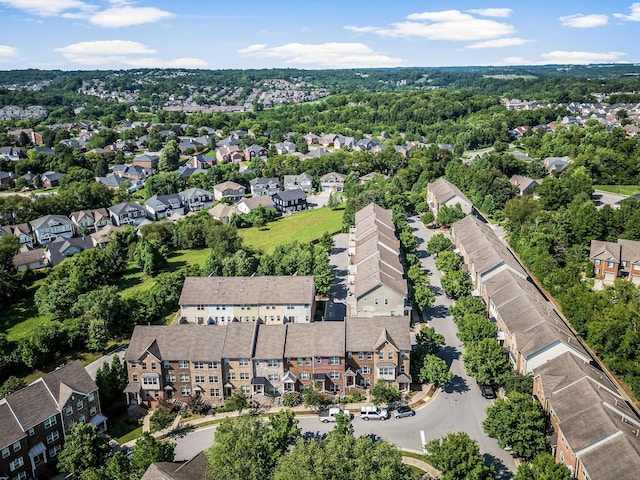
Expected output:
{"points": [[375, 280], [443, 192], [524, 184], [51, 179], [378, 348], [304, 182], [248, 205], [161, 206], [271, 299], [344, 142], [104, 236], [21, 231], [556, 165], [616, 260], [6, 179], [370, 176], [311, 138], [35, 421], [290, 201], [229, 190], [50, 227], [224, 212], [255, 151], [127, 213], [92, 220], [62, 248], [147, 160], [187, 172], [31, 259], [201, 162], [195, 199], [285, 147], [132, 172], [264, 186], [592, 422], [332, 182], [229, 153]]}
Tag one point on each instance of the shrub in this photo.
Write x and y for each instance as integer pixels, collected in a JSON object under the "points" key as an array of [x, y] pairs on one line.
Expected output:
{"points": [[291, 399]]}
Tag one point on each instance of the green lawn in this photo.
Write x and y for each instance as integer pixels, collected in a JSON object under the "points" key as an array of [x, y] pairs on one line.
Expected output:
{"points": [[627, 190], [20, 320], [303, 226]]}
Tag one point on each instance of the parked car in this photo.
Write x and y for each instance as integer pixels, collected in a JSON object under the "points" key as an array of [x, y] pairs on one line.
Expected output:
{"points": [[327, 416], [487, 391], [374, 413], [404, 411]]}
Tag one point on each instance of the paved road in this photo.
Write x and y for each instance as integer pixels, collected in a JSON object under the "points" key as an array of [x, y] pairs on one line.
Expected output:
{"points": [[336, 308], [459, 407], [601, 199]]}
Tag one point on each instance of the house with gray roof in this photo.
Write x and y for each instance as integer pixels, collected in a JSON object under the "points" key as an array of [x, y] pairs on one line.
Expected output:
{"points": [[36, 420], [443, 192], [613, 260], [48, 228], [248, 205], [127, 213], [332, 182], [264, 186], [161, 206], [290, 201], [63, 248], [228, 190], [21, 231], [304, 182], [272, 299]]}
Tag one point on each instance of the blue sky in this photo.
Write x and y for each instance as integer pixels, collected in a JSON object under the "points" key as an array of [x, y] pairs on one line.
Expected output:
{"points": [[117, 34]]}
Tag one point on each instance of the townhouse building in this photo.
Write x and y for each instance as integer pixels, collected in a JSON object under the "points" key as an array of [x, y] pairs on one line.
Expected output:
{"points": [[596, 434], [376, 283], [315, 356], [613, 260], [377, 348], [36, 420], [270, 299], [443, 192], [180, 362]]}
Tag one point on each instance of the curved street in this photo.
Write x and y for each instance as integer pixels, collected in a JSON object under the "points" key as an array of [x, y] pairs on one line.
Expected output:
{"points": [[459, 407]]}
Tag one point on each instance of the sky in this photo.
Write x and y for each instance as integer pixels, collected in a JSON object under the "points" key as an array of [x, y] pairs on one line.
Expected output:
{"points": [[124, 34]]}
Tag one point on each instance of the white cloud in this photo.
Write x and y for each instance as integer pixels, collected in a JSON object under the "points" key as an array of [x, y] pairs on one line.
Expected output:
{"points": [[492, 12], [7, 53], [634, 16], [122, 52], [122, 15], [584, 21], [329, 55], [443, 16], [445, 25], [577, 57], [499, 43], [514, 61], [48, 8]]}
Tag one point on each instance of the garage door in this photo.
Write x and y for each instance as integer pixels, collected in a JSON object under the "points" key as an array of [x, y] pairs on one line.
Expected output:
{"points": [[609, 277], [635, 279]]}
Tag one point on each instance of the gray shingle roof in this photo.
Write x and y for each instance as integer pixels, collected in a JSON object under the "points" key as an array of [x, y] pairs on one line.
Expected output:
{"points": [[321, 339], [178, 342], [363, 334], [247, 290], [270, 342]]}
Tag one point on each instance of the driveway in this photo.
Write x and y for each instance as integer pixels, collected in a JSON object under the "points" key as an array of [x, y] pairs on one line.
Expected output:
{"points": [[93, 367], [336, 307], [319, 200]]}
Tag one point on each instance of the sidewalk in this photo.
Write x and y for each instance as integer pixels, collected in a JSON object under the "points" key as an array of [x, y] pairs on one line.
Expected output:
{"points": [[418, 400]]}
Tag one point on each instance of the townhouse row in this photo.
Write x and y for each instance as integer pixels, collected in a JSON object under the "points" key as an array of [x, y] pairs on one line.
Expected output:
{"points": [[613, 260], [376, 282], [36, 420], [596, 433], [180, 362]]}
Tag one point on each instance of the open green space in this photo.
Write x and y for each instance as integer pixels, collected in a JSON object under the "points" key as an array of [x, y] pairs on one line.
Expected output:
{"points": [[23, 317], [303, 227], [627, 190]]}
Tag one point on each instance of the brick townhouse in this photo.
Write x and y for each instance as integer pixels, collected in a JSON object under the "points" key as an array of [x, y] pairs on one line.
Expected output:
{"points": [[35, 421], [612, 260], [178, 362]]}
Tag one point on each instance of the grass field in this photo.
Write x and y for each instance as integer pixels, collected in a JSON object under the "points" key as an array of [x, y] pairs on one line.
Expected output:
{"points": [[627, 190], [303, 227], [20, 320]]}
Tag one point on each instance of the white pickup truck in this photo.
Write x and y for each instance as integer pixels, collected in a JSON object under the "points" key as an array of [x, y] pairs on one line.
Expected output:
{"points": [[327, 416]]}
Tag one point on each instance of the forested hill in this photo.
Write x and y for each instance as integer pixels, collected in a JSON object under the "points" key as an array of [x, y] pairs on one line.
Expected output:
{"points": [[550, 83]]}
